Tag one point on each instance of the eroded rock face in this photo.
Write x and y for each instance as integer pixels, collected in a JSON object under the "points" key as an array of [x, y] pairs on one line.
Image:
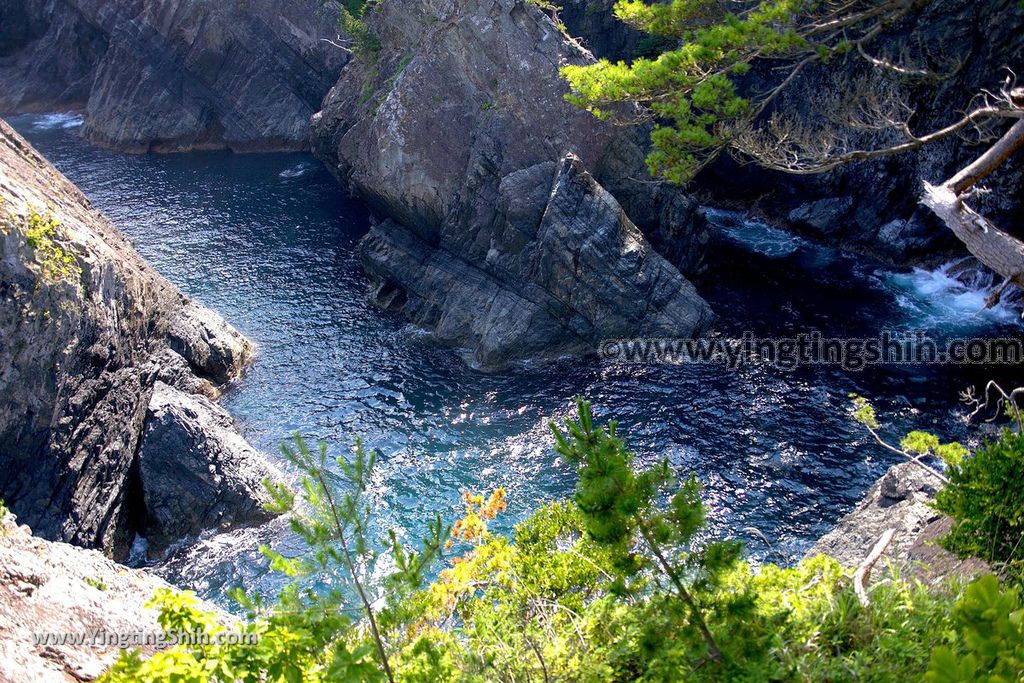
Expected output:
{"points": [[81, 345], [53, 588], [899, 500], [454, 132], [562, 259], [169, 75], [196, 470]]}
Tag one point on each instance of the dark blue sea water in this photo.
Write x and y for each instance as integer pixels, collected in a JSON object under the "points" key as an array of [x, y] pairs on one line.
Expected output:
{"points": [[269, 242]]}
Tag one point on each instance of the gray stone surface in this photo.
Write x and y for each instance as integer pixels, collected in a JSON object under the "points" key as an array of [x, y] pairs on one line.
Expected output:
{"points": [[565, 269], [79, 354], [900, 500], [824, 217], [196, 470], [594, 24], [453, 133], [56, 588], [168, 75], [212, 348]]}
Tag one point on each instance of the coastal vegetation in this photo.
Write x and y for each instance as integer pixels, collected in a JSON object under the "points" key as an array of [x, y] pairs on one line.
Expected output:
{"points": [[622, 582], [356, 35], [42, 233]]}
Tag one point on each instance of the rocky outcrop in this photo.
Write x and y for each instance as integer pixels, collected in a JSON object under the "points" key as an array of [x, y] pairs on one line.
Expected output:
{"points": [[49, 589], [86, 327], [900, 500], [169, 75], [195, 469], [563, 258], [455, 131], [970, 44]]}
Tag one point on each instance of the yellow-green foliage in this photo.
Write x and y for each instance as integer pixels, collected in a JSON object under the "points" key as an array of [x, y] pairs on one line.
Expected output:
{"points": [[695, 91], [613, 585], [983, 491], [990, 620], [690, 89], [42, 232], [985, 498]]}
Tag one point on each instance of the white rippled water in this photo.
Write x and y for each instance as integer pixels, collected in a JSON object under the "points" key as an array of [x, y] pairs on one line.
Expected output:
{"points": [[754, 234], [945, 296], [64, 121], [296, 171]]}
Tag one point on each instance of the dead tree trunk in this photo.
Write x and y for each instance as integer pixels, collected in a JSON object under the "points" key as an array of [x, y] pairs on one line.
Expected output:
{"points": [[997, 249]]}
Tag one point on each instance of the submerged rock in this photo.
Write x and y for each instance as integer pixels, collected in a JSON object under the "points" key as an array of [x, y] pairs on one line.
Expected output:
{"points": [[823, 218], [54, 588], [196, 470], [454, 131], [86, 327], [169, 75]]}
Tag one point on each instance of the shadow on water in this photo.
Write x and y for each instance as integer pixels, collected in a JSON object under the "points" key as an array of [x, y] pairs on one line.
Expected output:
{"points": [[269, 242]]}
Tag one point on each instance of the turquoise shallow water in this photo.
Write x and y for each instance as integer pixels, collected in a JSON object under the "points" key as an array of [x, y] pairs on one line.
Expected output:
{"points": [[268, 241]]}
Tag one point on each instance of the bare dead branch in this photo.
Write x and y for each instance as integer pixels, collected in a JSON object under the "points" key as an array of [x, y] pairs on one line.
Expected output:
{"points": [[863, 573], [1003, 399], [339, 43], [791, 147], [988, 162], [893, 66], [916, 459]]}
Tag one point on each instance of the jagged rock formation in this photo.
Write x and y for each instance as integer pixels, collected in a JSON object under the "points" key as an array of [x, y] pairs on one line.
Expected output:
{"points": [[900, 501], [872, 207], [171, 75], [454, 131], [86, 328], [55, 588], [196, 471], [565, 267]]}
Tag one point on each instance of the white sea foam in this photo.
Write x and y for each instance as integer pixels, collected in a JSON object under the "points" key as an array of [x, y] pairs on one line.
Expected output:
{"points": [[58, 120], [754, 235], [295, 171], [950, 296]]}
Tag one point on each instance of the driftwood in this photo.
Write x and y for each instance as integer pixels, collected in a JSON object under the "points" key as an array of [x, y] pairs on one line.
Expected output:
{"points": [[863, 573]]}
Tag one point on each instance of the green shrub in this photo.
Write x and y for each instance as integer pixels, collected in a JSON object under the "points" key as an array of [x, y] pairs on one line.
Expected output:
{"points": [[985, 498], [350, 21], [98, 584], [41, 233], [367, 44], [990, 626], [621, 583]]}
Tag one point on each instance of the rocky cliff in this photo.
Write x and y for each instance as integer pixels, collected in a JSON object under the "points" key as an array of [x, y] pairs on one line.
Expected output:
{"points": [[594, 24], [86, 330], [458, 132], [169, 75], [51, 589]]}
